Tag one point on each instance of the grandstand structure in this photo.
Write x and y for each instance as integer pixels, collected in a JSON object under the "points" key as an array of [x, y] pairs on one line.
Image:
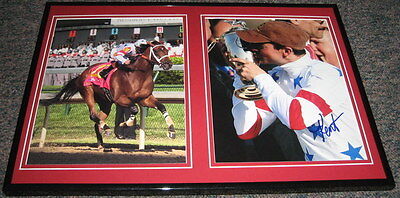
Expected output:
{"points": [[78, 43]]}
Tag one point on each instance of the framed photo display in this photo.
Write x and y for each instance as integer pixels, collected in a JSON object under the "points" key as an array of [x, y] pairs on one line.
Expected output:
{"points": [[173, 98]]}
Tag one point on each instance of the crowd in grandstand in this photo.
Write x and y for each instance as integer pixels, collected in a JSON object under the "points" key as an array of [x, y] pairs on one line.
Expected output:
{"points": [[86, 54]]}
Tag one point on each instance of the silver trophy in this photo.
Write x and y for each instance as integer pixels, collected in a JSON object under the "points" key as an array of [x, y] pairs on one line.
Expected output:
{"points": [[232, 41]]}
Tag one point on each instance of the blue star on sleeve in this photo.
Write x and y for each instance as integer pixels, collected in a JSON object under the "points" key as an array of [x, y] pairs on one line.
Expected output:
{"points": [[316, 131], [274, 76], [353, 153], [309, 156], [297, 82]]}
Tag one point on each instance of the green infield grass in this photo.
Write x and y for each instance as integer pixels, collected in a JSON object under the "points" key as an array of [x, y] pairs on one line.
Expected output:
{"points": [[70, 123]]}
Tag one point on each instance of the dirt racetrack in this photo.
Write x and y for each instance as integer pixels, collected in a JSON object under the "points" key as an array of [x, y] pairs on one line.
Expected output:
{"points": [[120, 154]]}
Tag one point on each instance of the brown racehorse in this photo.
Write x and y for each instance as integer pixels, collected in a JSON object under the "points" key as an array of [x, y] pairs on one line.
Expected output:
{"points": [[129, 85]]}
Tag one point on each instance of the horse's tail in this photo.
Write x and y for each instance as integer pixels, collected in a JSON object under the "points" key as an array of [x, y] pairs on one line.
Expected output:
{"points": [[67, 91]]}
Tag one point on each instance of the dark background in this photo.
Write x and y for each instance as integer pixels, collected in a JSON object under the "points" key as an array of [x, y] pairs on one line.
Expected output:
{"points": [[372, 28]]}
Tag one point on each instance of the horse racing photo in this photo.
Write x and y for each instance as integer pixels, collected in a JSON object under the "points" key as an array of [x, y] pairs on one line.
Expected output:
{"points": [[112, 93]]}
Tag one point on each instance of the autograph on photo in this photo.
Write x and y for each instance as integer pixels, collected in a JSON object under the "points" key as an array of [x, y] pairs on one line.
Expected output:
{"points": [[319, 129]]}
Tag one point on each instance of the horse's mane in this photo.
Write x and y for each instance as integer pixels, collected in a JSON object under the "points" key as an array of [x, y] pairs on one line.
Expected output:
{"points": [[139, 51], [127, 69], [142, 48]]}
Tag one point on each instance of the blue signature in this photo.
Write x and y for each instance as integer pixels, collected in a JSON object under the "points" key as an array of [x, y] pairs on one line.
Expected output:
{"points": [[319, 129]]}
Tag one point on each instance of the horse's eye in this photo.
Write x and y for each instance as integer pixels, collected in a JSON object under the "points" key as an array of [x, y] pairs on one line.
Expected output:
{"points": [[159, 49]]}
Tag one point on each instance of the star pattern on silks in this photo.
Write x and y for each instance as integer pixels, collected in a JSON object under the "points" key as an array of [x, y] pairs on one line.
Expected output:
{"points": [[309, 156], [297, 82], [353, 153], [274, 76], [315, 130]]}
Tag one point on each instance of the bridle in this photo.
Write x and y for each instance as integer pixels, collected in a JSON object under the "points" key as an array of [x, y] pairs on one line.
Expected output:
{"points": [[153, 54], [149, 57]]}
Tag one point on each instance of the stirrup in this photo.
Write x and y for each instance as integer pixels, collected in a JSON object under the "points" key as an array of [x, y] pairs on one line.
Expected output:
{"points": [[104, 73], [107, 93]]}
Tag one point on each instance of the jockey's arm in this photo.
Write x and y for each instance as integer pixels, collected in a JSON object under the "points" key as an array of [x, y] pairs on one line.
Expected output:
{"points": [[122, 55], [251, 118]]}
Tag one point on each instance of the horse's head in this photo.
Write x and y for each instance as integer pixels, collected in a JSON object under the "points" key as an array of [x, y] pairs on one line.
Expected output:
{"points": [[159, 54]]}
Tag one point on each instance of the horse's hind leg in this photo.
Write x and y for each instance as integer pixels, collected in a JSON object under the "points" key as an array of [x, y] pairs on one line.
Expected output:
{"points": [[152, 102], [105, 108], [87, 94], [100, 144]]}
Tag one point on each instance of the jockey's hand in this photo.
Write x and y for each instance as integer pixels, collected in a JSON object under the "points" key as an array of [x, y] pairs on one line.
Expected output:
{"points": [[247, 69], [127, 62]]}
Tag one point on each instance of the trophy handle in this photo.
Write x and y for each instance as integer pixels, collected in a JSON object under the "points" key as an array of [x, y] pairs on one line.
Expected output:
{"points": [[235, 49]]}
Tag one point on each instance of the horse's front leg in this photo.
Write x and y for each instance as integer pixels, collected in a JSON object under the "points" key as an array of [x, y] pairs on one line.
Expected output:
{"points": [[152, 102]]}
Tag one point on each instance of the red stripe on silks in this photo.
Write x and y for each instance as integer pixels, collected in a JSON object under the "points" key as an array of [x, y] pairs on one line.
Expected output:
{"points": [[254, 130], [295, 117], [317, 100], [262, 105]]}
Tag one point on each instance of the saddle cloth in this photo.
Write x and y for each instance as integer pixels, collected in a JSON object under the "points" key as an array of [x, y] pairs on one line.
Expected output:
{"points": [[94, 77]]}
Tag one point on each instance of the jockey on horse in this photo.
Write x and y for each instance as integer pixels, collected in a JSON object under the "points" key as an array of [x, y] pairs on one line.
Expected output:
{"points": [[120, 55], [129, 85]]}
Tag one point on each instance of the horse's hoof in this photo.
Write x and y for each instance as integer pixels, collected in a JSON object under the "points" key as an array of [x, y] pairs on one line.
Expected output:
{"points": [[120, 137], [171, 132], [171, 135], [107, 132], [171, 129]]}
